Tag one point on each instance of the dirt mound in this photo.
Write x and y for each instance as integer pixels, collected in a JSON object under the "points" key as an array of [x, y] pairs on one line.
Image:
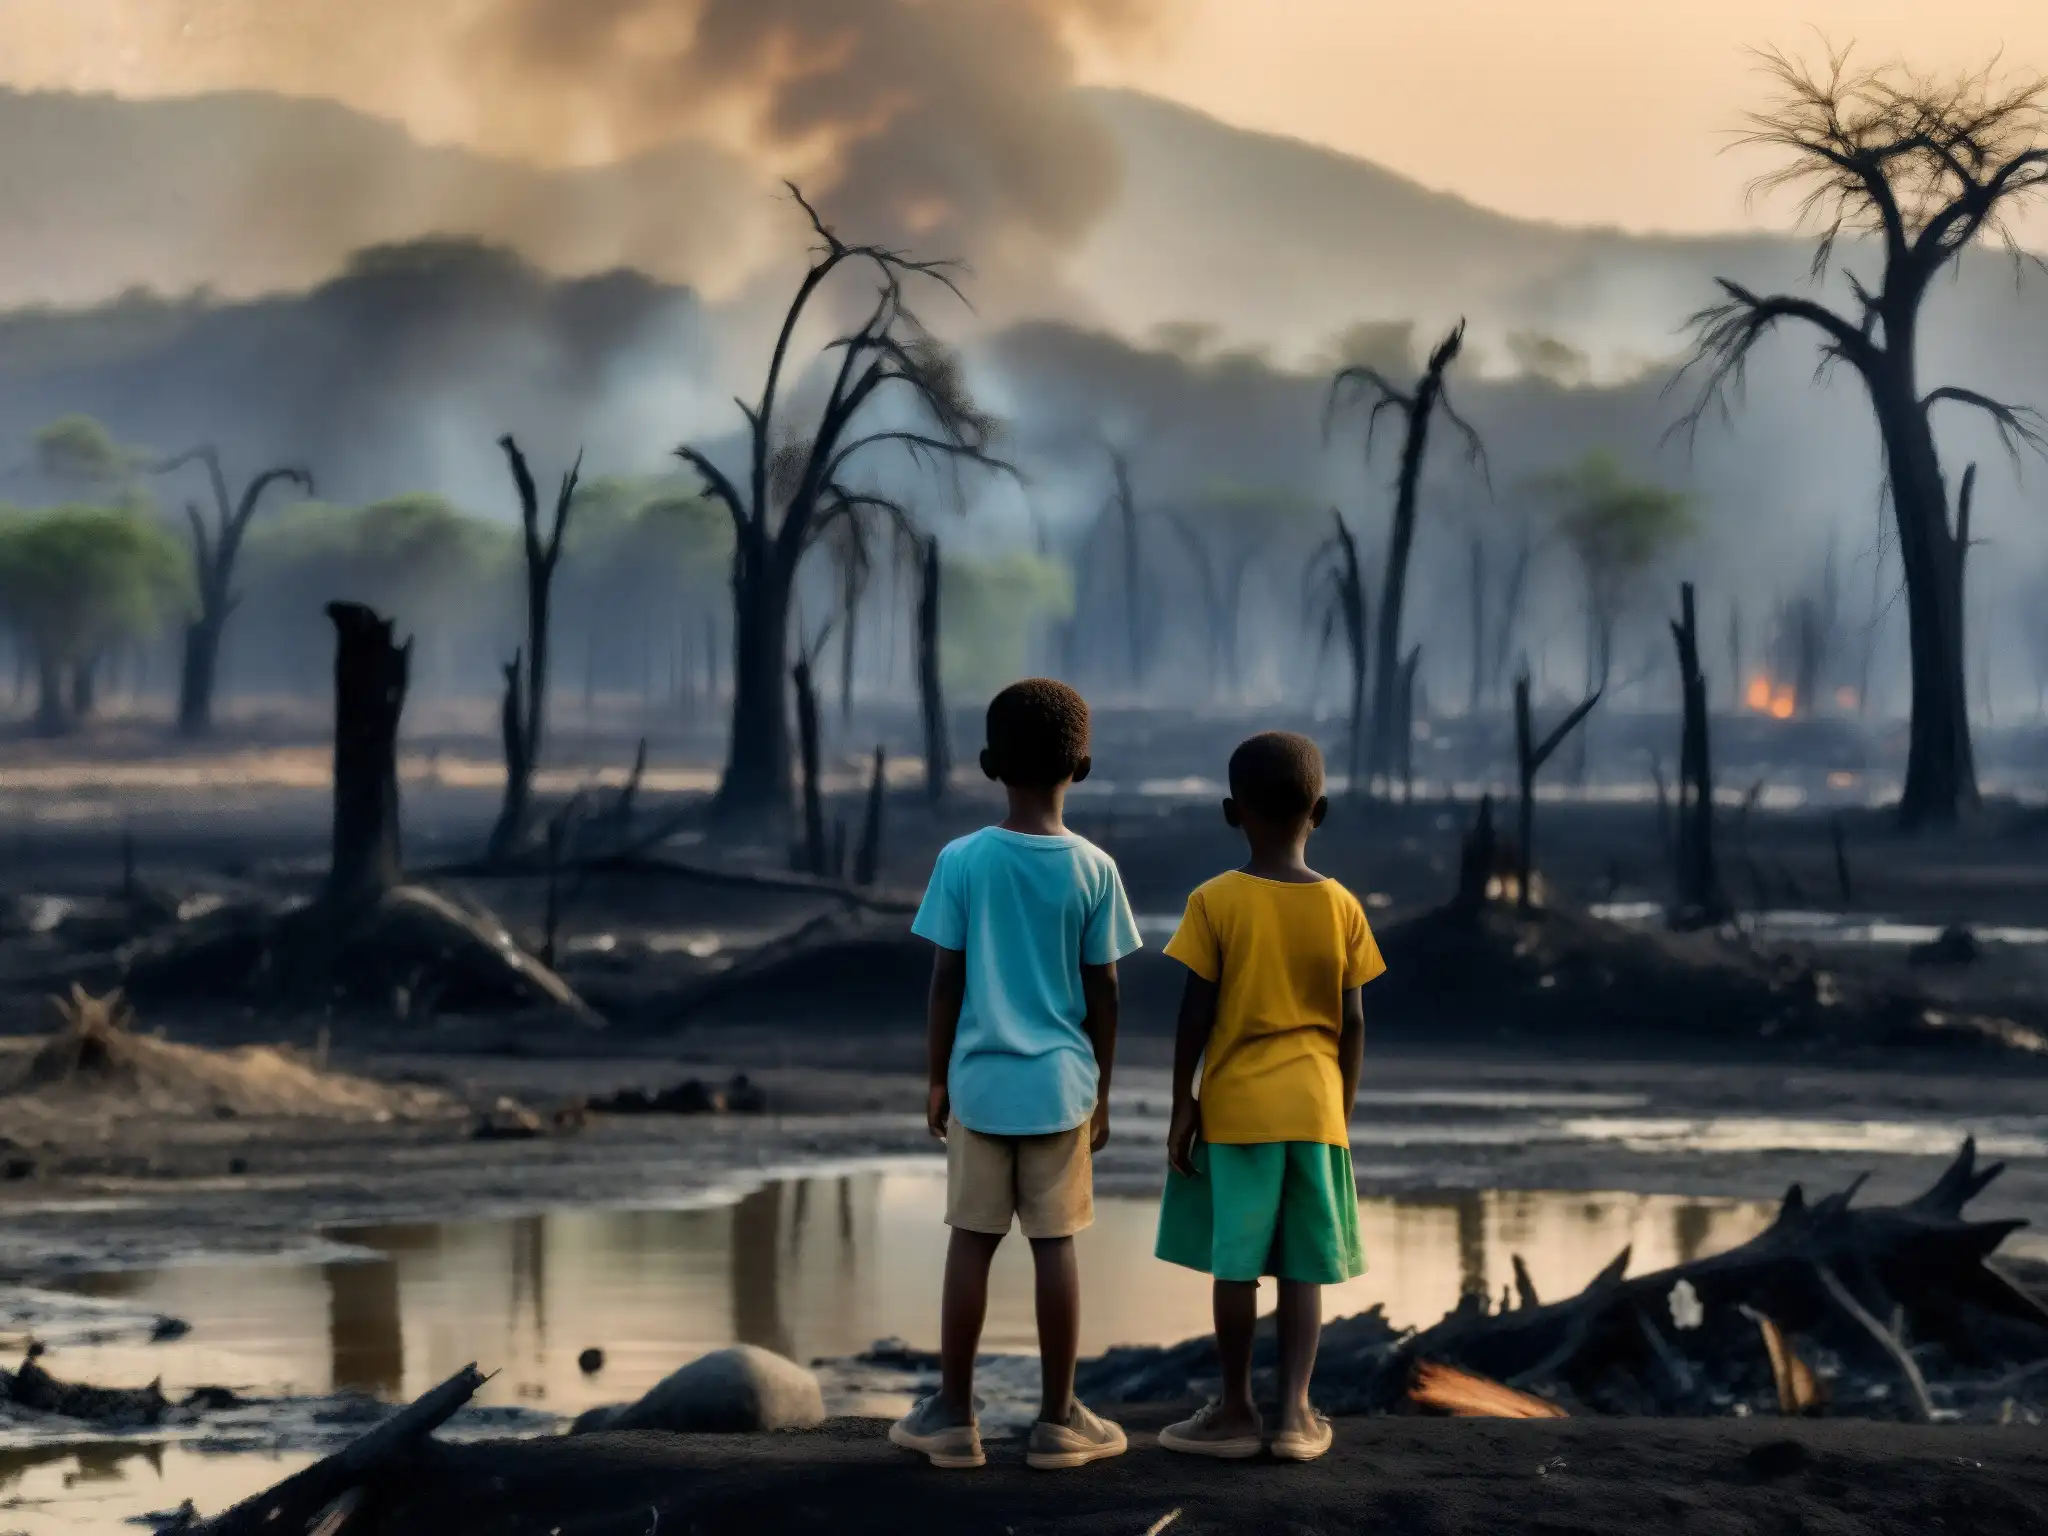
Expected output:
{"points": [[97, 1055], [1562, 972]]}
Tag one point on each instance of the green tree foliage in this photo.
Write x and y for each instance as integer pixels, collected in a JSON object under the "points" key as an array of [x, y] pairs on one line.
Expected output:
{"points": [[81, 454], [77, 580], [1617, 528], [991, 615]]}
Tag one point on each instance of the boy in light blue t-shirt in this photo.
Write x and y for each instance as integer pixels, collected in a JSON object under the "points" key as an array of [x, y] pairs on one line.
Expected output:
{"points": [[1029, 922]]}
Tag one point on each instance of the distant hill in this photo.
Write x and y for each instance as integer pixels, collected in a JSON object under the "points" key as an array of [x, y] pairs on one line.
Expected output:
{"points": [[1274, 241], [248, 193]]}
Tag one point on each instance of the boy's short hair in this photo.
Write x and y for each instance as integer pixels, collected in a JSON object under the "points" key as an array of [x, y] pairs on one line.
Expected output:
{"points": [[1037, 733], [1277, 776]]}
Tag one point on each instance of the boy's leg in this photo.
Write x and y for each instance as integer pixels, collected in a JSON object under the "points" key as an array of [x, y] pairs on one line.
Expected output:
{"points": [[963, 1309], [1059, 1325], [1235, 1304], [1299, 1318]]}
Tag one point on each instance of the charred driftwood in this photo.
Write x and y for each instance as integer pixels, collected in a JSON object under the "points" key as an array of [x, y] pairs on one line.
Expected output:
{"points": [[1530, 756], [1683, 1340], [302, 1499]]}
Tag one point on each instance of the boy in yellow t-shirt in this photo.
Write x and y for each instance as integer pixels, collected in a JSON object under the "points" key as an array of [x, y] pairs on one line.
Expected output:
{"points": [[1260, 1178]]}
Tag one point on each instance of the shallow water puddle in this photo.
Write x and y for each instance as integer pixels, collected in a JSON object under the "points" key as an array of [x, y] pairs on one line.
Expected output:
{"points": [[813, 1267], [95, 1488]]}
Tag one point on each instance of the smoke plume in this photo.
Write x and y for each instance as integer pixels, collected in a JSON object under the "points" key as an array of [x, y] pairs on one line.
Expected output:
{"points": [[946, 125]]}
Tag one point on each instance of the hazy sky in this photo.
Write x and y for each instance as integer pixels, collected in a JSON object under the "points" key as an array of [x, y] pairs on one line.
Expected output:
{"points": [[1585, 111]]}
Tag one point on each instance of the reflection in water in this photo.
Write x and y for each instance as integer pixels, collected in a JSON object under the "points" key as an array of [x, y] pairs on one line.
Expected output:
{"points": [[86, 1490], [810, 1268], [363, 1329]]}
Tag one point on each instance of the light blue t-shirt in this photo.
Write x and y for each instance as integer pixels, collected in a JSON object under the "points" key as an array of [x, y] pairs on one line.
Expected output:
{"points": [[1029, 912]]}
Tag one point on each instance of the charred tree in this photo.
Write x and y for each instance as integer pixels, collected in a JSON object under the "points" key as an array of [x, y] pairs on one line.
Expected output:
{"points": [[1476, 691], [1222, 597], [1530, 756], [524, 713], [214, 553], [800, 483], [1405, 745], [1925, 167], [1125, 500], [1700, 899], [371, 673], [1417, 407], [1337, 586], [813, 858], [867, 859], [931, 692]]}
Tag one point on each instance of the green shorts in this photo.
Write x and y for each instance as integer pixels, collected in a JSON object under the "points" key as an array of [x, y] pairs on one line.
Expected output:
{"points": [[1282, 1208]]}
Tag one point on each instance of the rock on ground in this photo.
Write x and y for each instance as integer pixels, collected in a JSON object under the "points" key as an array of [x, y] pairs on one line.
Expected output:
{"points": [[740, 1390]]}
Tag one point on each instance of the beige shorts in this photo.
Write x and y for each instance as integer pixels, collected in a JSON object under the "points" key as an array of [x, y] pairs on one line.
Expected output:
{"points": [[1046, 1183]]}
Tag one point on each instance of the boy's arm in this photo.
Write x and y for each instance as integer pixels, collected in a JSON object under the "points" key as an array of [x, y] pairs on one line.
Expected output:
{"points": [[942, 1022], [1351, 1047], [1099, 991], [1190, 1039]]}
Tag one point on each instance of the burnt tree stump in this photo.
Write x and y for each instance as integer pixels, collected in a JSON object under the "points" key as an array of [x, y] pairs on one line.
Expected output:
{"points": [[371, 673]]}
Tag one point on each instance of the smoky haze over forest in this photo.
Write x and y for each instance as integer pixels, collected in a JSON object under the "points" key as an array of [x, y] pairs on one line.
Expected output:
{"points": [[606, 271]]}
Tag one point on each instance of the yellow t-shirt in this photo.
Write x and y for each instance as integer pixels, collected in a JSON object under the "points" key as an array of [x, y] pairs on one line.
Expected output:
{"points": [[1284, 955]]}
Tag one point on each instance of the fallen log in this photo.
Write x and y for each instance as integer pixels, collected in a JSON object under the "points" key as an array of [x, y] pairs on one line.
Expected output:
{"points": [[1965, 1330], [306, 1500]]}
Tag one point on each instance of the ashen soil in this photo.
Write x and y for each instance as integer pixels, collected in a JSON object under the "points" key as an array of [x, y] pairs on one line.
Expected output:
{"points": [[1397, 1476]]}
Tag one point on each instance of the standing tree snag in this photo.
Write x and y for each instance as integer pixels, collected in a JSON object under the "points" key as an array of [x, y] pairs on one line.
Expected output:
{"points": [[1700, 902], [1924, 168], [214, 552], [1416, 408], [812, 858], [1337, 588], [931, 693], [525, 709], [371, 673], [1530, 756], [1126, 503], [799, 485]]}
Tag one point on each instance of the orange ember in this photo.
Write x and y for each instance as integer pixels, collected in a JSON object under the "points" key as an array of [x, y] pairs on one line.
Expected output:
{"points": [[1758, 697], [1783, 705]]}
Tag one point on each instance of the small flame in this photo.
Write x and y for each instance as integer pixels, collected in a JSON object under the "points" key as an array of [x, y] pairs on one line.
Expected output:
{"points": [[1783, 705], [1758, 697]]}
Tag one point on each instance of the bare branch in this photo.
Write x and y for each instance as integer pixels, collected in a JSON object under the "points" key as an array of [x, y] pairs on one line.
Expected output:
{"points": [[1364, 380], [718, 484], [1726, 333], [2019, 426]]}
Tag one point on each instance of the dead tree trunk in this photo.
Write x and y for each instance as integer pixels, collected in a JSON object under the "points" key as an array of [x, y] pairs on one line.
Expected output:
{"points": [[1406, 718], [214, 553], [1700, 899], [53, 711], [1417, 408], [938, 746], [1133, 570], [84, 688], [807, 758], [1530, 756], [1476, 691], [1344, 603], [867, 862], [525, 708], [371, 673]]}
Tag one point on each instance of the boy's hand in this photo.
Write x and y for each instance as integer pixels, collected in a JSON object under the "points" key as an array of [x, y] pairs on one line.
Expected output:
{"points": [[1098, 1133], [1181, 1137], [938, 1110]]}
